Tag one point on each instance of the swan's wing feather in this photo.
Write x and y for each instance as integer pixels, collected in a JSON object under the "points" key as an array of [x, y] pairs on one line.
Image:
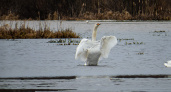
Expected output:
{"points": [[106, 44], [82, 49]]}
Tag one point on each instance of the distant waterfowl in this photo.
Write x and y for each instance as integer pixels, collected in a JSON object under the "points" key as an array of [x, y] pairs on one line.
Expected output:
{"points": [[168, 63], [90, 51], [87, 21]]}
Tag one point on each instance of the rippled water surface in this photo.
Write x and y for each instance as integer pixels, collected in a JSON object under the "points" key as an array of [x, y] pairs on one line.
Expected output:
{"points": [[142, 49]]}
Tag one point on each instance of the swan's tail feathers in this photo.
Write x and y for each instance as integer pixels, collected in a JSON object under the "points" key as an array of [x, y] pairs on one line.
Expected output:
{"points": [[106, 44]]}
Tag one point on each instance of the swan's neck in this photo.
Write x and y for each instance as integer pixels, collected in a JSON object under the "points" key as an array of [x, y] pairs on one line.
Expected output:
{"points": [[94, 34]]}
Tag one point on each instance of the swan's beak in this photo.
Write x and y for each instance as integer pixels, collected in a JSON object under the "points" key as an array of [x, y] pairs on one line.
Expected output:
{"points": [[98, 24]]}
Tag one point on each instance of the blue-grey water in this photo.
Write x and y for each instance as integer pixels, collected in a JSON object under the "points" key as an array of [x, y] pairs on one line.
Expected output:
{"points": [[142, 49]]}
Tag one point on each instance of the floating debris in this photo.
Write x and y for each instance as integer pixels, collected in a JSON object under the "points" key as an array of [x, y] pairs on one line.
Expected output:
{"points": [[140, 53], [125, 39], [159, 33], [135, 43], [66, 41]]}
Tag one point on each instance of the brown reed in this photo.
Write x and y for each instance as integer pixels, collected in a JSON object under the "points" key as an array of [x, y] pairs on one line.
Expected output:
{"points": [[28, 33]]}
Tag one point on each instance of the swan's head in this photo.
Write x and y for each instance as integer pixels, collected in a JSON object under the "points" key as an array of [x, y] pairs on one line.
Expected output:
{"points": [[96, 25]]}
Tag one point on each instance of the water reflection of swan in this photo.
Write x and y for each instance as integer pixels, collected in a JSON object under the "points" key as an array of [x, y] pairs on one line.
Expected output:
{"points": [[91, 50], [168, 63]]}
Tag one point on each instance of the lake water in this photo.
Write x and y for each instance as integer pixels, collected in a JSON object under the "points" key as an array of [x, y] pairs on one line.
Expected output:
{"points": [[36, 65]]}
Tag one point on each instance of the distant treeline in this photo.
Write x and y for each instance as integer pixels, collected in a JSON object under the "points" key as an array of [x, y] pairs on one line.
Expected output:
{"points": [[85, 9]]}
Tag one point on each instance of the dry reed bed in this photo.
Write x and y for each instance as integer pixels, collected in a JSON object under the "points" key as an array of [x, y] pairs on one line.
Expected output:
{"points": [[7, 32]]}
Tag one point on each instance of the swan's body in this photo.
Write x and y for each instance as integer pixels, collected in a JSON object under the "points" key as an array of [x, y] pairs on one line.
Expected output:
{"points": [[91, 51], [168, 64]]}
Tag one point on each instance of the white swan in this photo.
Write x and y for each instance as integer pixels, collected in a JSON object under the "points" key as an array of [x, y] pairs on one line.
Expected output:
{"points": [[91, 50], [168, 63]]}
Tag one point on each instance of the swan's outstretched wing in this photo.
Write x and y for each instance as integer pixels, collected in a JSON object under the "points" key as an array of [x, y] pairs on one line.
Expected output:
{"points": [[106, 44], [82, 49]]}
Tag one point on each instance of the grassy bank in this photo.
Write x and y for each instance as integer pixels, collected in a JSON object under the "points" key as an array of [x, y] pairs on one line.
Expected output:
{"points": [[23, 32]]}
